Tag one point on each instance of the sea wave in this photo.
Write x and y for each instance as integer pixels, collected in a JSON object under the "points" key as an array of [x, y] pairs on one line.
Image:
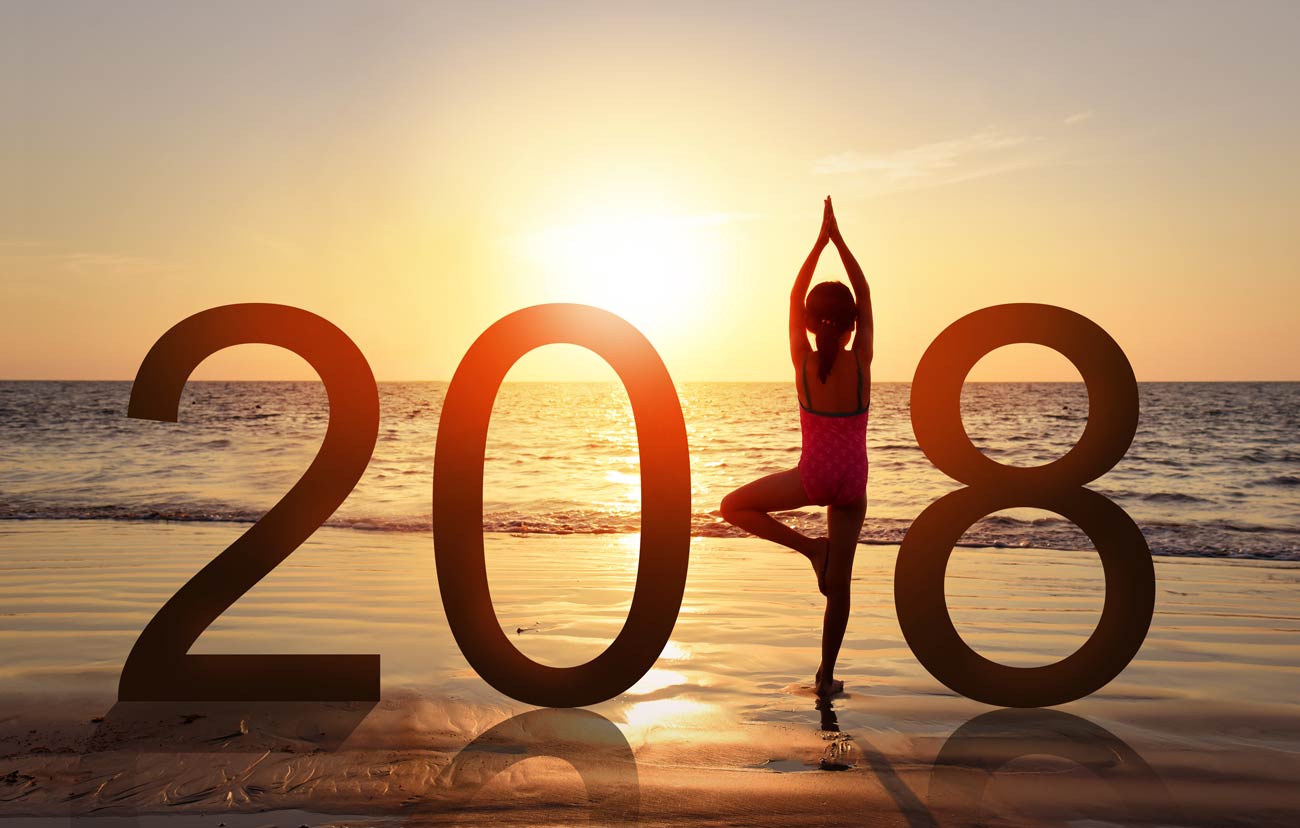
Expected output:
{"points": [[564, 458], [1282, 480], [1233, 539]]}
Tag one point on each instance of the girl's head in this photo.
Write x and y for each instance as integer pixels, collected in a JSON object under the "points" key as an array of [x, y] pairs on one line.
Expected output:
{"points": [[830, 314]]}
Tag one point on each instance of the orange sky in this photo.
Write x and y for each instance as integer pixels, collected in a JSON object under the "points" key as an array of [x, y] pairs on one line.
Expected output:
{"points": [[413, 172]]}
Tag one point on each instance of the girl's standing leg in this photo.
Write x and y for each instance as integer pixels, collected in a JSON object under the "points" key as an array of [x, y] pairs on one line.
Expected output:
{"points": [[844, 524]]}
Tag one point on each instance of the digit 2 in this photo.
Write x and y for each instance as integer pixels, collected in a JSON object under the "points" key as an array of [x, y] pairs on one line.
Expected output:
{"points": [[159, 667]]}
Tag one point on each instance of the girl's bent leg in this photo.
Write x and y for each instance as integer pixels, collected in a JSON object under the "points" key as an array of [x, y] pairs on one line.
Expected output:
{"points": [[845, 524], [748, 507]]}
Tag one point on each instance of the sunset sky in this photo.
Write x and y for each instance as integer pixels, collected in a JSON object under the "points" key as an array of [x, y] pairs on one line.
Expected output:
{"points": [[414, 171]]}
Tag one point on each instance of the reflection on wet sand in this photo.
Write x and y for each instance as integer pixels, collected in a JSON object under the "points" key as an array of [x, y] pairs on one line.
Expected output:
{"points": [[148, 761], [283, 762], [591, 744], [842, 744], [147, 756], [964, 770]]}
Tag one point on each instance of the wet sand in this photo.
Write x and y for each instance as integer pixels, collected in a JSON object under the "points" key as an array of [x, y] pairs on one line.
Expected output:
{"points": [[1203, 728]]}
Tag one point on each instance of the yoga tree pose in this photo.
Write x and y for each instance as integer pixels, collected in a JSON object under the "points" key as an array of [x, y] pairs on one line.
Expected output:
{"points": [[832, 468]]}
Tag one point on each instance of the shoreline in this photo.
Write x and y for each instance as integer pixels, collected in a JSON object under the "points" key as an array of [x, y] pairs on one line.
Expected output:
{"points": [[723, 730], [365, 526]]}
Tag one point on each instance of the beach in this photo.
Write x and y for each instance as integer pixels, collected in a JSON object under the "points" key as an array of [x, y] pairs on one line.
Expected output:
{"points": [[1202, 728], [996, 299]]}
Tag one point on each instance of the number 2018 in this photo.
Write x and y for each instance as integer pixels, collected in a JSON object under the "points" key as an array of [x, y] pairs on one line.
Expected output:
{"points": [[160, 668]]}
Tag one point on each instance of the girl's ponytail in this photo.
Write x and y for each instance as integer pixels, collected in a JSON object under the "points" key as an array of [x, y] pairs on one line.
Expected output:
{"points": [[828, 346]]}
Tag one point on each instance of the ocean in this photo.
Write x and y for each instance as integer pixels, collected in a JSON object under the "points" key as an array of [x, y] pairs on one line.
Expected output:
{"points": [[1213, 471]]}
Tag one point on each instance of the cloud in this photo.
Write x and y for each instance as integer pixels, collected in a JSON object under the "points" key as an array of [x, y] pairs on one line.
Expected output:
{"points": [[1078, 117], [37, 260], [919, 161], [981, 154], [109, 265]]}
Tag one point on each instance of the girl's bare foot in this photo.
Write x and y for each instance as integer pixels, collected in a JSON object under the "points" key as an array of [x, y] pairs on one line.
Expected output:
{"points": [[825, 689], [819, 551]]}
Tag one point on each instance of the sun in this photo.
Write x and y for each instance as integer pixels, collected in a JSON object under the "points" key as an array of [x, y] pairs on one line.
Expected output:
{"points": [[659, 271]]}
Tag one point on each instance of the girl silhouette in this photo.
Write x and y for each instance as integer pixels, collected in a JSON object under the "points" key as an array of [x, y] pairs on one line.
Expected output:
{"points": [[832, 468]]}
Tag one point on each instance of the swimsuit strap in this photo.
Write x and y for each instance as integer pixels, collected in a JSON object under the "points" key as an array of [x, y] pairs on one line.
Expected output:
{"points": [[807, 393], [859, 362]]}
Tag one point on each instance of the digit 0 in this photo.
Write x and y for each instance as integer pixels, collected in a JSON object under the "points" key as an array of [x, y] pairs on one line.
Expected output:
{"points": [[1057, 486], [458, 506]]}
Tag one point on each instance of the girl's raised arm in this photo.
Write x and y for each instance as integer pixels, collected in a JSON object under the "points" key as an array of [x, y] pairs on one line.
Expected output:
{"points": [[799, 347], [864, 339]]}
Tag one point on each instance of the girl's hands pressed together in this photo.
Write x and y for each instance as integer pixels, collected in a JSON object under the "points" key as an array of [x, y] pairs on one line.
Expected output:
{"points": [[830, 226], [829, 230]]}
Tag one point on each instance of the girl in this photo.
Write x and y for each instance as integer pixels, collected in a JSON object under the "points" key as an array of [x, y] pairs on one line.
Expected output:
{"points": [[832, 468]]}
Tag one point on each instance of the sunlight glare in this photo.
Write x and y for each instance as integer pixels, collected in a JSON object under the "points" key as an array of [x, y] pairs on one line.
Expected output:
{"points": [[677, 712], [656, 271], [656, 679]]}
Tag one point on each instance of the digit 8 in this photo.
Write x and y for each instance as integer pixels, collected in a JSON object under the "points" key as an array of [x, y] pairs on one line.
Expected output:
{"points": [[1057, 486]]}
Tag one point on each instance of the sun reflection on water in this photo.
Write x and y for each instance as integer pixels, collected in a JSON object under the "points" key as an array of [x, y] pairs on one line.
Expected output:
{"points": [[675, 712], [674, 651], [656, 679]]}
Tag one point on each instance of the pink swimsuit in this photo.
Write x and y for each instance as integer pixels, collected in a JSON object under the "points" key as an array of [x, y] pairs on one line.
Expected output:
{"points": [[833, 465]]}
